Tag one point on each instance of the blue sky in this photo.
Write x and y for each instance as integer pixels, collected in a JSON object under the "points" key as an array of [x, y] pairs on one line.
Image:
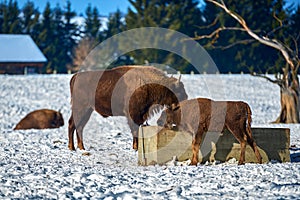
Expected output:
{"points": [[104, 6]]}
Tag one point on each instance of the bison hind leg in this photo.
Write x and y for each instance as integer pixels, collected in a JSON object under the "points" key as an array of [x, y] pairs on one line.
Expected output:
{"points": [[71, 130], [240, 134], [81, 119], [253, 145], [243, 150]]}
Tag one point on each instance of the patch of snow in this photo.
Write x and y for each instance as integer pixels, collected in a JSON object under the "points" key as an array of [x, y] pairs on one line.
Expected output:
{"points": [[38, 164]]}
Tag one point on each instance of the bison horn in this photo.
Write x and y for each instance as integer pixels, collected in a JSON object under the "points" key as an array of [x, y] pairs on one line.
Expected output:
{"points": [[178, 81]]}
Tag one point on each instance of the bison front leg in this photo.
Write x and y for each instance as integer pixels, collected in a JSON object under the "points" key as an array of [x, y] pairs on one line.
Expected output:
{"points": [[196, 147], [135, 143], [134, 131]]}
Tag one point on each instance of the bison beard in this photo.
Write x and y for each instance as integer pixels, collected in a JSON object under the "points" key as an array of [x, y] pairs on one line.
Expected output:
{"points": [[201, 115], [127, 91]]}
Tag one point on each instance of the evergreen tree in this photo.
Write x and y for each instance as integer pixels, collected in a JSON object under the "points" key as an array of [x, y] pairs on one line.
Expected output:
{"points": [[115, 24], [183, 16], [66, 34], [10, 17], [70, 32], [5, 16], [30, 19], [59, 54], [46, 36], [92, 23], [3, 12], [295, 29]]}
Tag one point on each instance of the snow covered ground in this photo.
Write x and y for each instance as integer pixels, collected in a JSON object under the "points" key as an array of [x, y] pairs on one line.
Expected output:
{"points": [[38, 164]]}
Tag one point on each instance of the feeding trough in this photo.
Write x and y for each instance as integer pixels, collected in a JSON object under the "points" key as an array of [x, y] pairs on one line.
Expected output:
{"points": [[158, 145]]}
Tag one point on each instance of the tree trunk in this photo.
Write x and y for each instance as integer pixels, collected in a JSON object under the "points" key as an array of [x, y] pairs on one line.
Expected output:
{"points": [[289, 96], [289, 106]]}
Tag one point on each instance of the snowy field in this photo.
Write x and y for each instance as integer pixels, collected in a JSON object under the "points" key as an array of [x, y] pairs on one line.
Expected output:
{"points": [[38, 164]]}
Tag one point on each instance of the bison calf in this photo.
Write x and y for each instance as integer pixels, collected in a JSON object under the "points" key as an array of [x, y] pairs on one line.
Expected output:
{"points": [[201, 115], [41, 119]]}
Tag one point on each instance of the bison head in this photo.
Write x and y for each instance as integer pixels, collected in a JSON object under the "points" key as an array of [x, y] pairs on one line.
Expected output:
{"points": [[170, 117], [58, 120]]}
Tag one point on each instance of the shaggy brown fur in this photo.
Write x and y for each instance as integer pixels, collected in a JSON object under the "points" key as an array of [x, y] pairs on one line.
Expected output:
{"points": [[41, 119], [123, 91], [201, 115]]}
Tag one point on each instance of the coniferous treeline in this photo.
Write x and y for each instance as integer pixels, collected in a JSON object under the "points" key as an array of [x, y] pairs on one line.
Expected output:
{"points": [[65, 43]]}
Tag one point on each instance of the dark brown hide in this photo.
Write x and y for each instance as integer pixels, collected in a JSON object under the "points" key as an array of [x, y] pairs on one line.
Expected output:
{"points": [[201, 115], [41, 119], [123, 91]]}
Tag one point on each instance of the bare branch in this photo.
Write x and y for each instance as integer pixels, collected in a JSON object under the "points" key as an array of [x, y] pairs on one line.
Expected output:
{"points": [[213, 34], [216, 32], [210, 25], [244, 42], [264, 40], [298, 36], [277, 81], [279, 20], [296, 45], [275, 30]]}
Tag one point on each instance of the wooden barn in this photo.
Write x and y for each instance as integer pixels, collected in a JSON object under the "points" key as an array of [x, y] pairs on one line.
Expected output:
{"points": [[20, 55]]}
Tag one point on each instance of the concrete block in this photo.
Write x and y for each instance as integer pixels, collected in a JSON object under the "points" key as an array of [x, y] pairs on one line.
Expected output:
{"points": [[158, 145]]}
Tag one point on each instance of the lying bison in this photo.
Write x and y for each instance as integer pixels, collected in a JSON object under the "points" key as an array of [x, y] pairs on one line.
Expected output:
{"points": [[201, 115], [41, 119], [129, 91]]}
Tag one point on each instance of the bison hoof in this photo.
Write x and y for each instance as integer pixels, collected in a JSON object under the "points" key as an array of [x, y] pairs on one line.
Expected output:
{"points": [[135, 143], [135, 147], [194, 162], [81, 147], [72, 148], [241, 163]]}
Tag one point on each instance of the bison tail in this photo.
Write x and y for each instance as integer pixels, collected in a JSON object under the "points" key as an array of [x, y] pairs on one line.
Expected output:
{"points": [[72, 81], [249, 119]]}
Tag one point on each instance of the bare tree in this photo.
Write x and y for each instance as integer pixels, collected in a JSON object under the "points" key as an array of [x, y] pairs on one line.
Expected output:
{"points": [[82, 51], [288, 82]]}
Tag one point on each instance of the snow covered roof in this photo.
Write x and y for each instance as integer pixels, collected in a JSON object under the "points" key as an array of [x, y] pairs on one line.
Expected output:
{"points": [[19, 48]]}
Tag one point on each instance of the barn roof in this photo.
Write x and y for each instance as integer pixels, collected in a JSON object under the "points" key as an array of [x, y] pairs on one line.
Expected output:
{"points": [[19, 49]]}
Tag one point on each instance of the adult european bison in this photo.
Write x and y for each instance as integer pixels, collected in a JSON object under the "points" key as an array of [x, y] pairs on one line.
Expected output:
{"points": [[202, 115], [41, 119], [128, 91]]}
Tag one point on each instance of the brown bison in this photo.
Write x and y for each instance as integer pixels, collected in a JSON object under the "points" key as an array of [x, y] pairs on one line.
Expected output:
{"points": [[129, 91], [201, 115], [41, 119]]}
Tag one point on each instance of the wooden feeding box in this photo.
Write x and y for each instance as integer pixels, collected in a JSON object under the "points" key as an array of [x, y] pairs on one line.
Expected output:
{"points": [[158, 146]]}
